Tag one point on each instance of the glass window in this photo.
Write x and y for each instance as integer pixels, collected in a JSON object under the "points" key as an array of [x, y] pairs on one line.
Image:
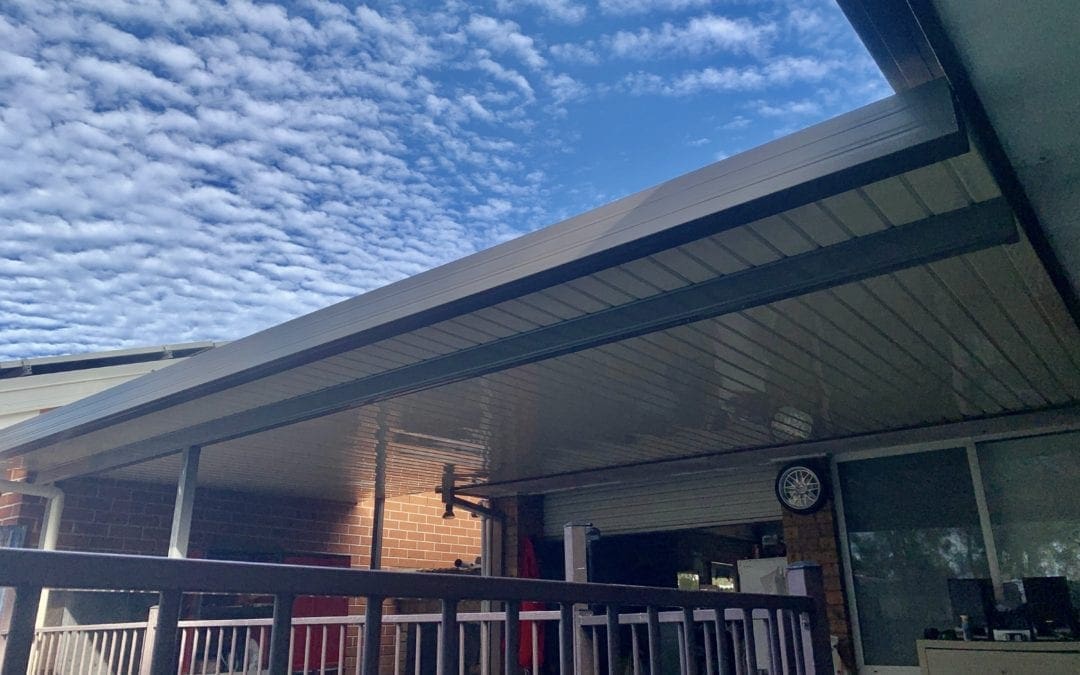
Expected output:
{"points": [[912, 524], [1034, 504]]}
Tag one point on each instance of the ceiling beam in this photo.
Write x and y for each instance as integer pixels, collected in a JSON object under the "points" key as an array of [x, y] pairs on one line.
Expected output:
{"points": [[937, 237]]}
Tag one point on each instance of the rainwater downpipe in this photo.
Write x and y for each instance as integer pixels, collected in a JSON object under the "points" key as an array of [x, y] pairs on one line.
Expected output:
{"points": [[50, 526]]}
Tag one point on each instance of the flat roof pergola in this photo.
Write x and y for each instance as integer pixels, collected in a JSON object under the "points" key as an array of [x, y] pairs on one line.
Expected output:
{"points": [[862, 276]]}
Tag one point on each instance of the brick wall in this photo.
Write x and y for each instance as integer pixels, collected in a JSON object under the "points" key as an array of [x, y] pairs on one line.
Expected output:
{"points": [[815, 538], [112, 516], [19, 510], [129, 517], [523, 517]]}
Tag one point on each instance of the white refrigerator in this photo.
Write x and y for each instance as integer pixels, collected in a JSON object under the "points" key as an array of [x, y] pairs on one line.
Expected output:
{"points": [[762, 575]]}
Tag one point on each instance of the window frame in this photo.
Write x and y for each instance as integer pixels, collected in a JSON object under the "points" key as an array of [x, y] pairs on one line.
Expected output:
{"points": [[970, 445]]}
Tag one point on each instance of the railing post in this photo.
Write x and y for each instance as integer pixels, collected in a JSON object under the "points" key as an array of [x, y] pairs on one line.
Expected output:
{"points": [[749, 641], [772, 626], [576, 567], [566, 639], [652, 618], [280, 634], [725, 651], [20, 636], [613, 654], [161, 635], [804, 578], [448, 645], [787, 636], [373, 635], [513, 636], [149, 638], [688, 642]]}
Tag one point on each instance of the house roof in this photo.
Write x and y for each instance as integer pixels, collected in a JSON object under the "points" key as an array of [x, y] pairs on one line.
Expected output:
{"points": [[854, 277], [30, 386]]}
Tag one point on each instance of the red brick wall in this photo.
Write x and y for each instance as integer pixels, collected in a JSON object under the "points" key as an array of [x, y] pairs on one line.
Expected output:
{"points": [[815, 538], [19, 510], [128, 517]]}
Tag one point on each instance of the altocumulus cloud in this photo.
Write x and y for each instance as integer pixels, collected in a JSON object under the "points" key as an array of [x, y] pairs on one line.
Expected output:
{"points": [[197, 170], [179, 170]]}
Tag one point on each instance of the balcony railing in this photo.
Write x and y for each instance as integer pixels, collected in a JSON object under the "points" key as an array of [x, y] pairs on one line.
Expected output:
{"points": [[599, 628]]}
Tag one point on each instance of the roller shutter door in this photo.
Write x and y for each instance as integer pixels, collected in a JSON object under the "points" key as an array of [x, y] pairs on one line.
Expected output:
{"points": [[674, 503]]}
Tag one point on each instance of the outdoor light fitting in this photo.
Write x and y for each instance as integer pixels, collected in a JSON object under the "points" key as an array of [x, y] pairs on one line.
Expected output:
{"points": [[451, 500]]}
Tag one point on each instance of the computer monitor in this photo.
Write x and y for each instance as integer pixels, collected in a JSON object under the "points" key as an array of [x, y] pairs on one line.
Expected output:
{"points": [[975, 599], [1049, 606]]}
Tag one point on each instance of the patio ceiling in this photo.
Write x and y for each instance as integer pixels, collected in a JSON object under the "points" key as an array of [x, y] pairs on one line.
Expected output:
{"points": [[1021, 60], [860, 276]]}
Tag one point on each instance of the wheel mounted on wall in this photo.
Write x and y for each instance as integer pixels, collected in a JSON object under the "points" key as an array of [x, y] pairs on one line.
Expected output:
{"points": [[801, 487]]}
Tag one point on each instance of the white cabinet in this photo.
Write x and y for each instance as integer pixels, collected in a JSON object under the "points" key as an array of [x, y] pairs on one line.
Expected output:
{"points": [[942, 657]]}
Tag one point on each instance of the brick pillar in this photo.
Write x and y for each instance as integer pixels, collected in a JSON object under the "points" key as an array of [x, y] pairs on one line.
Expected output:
{"points": [[815, 538], [524, 517]]}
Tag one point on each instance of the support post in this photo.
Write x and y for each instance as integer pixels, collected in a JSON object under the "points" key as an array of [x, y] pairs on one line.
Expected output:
{"points": [[372, 635], [448, 645], [163, 656], [381, 435], [185, 503], [576, 566], [280, 632], [20, 638], [513, 634], [50, 533], [804, 578], [566, 640], [491, 635]]}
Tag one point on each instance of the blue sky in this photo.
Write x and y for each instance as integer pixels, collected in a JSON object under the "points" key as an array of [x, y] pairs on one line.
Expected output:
{"points": [[186, 170]]}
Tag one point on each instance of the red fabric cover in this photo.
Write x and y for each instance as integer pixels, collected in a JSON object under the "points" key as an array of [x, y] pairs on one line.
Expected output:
{"points": [[529, 568]]}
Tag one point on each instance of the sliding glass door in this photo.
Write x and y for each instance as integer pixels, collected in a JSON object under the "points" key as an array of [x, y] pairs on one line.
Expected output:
{"points": [[1000, 511], [912, 524]]}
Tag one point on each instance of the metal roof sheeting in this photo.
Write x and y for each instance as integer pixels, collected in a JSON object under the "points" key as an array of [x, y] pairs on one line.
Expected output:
{"points": [[976, 335]]}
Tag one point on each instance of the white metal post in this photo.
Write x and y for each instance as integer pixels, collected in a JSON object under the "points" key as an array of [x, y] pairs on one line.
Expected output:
{"points": [[804, 578], [576, 562], [379, 500], [984, 520], [185, 502]]}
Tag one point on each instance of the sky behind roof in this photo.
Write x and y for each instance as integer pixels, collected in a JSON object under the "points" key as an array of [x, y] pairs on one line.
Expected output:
{"points": [[191, 170]]}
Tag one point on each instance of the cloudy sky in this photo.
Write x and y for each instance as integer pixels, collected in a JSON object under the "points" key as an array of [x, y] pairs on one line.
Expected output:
{"points": [[180, 170]]}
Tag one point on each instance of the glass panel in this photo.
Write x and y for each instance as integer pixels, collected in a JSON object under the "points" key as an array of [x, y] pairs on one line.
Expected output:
{"points": [[912, 524], [1031, 493]]}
